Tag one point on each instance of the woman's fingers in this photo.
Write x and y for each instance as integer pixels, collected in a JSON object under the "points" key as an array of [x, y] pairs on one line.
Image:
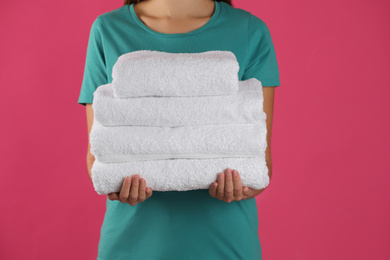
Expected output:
{"points": [[124, 193], [228, 186], [149, 192], [133, 191], [228, 197], [221, 186], [133, 196], [237, 185], [213, 189], [113, 196], [141, 190]]}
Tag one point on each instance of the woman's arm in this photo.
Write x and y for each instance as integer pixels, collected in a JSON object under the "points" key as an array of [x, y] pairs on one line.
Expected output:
{"points": [[268, 106], [90, 157]]}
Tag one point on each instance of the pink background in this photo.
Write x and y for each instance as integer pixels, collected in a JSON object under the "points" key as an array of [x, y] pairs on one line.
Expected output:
{"points": [[329, 190]]}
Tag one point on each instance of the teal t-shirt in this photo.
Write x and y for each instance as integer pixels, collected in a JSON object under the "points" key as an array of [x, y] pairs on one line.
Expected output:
{"points": [[180, 225]]}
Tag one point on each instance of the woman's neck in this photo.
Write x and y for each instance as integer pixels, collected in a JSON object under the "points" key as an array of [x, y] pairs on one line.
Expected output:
{"points": [[175, 9]]}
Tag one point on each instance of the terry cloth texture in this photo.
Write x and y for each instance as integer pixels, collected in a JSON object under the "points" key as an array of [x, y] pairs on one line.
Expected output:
{"points": [[156, 73], [133, 143], [240, 108], [178, 174]]}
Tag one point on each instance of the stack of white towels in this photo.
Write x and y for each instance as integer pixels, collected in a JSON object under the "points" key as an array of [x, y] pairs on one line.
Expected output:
{"points": [[177, 120]]}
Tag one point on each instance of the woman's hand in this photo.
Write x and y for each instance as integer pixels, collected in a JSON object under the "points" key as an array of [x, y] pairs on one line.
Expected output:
{"points": [[133, 191], [228, 187]]}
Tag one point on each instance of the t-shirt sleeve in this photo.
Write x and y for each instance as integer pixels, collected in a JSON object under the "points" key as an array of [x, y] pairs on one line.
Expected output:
{"points": [[95, 73], [262, 63]]}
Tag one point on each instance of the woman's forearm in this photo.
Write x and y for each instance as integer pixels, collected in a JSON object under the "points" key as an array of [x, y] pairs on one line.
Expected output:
{"points": [[268, 106], [268, 157], [90, 160]]}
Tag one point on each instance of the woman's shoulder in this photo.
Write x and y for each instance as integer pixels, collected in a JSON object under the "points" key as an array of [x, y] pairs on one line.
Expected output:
{"points": [[119, 13], [234, 14]]}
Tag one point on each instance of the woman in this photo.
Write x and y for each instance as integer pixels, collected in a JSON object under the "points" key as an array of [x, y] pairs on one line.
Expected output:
{"points": [[218, 223]]}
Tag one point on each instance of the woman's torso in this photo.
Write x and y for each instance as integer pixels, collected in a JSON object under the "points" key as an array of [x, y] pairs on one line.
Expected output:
{"points": [[177, 225]]}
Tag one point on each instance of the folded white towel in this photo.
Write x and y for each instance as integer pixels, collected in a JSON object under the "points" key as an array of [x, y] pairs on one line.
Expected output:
{"points": [[178, 174], [156, 73], [132, 143], [244, 107]]}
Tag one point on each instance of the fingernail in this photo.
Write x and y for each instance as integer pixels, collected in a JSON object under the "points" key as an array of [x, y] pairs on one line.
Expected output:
{"points": [[235, 173], [128, 178], [220, 176], [228, 172]]}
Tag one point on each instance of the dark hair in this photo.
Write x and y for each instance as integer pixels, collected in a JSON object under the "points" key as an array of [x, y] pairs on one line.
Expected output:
{"points": [[129, 2]]}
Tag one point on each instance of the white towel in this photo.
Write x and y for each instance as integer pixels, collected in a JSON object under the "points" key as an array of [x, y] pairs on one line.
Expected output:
{"points": [[156, 73], [178, 174], [132, 143], [244, 107]]}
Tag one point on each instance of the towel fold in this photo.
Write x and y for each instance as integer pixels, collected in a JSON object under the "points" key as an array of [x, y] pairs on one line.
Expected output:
{"points": [[244, 107], [132, 143], [156, 73], [178, 174]]}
